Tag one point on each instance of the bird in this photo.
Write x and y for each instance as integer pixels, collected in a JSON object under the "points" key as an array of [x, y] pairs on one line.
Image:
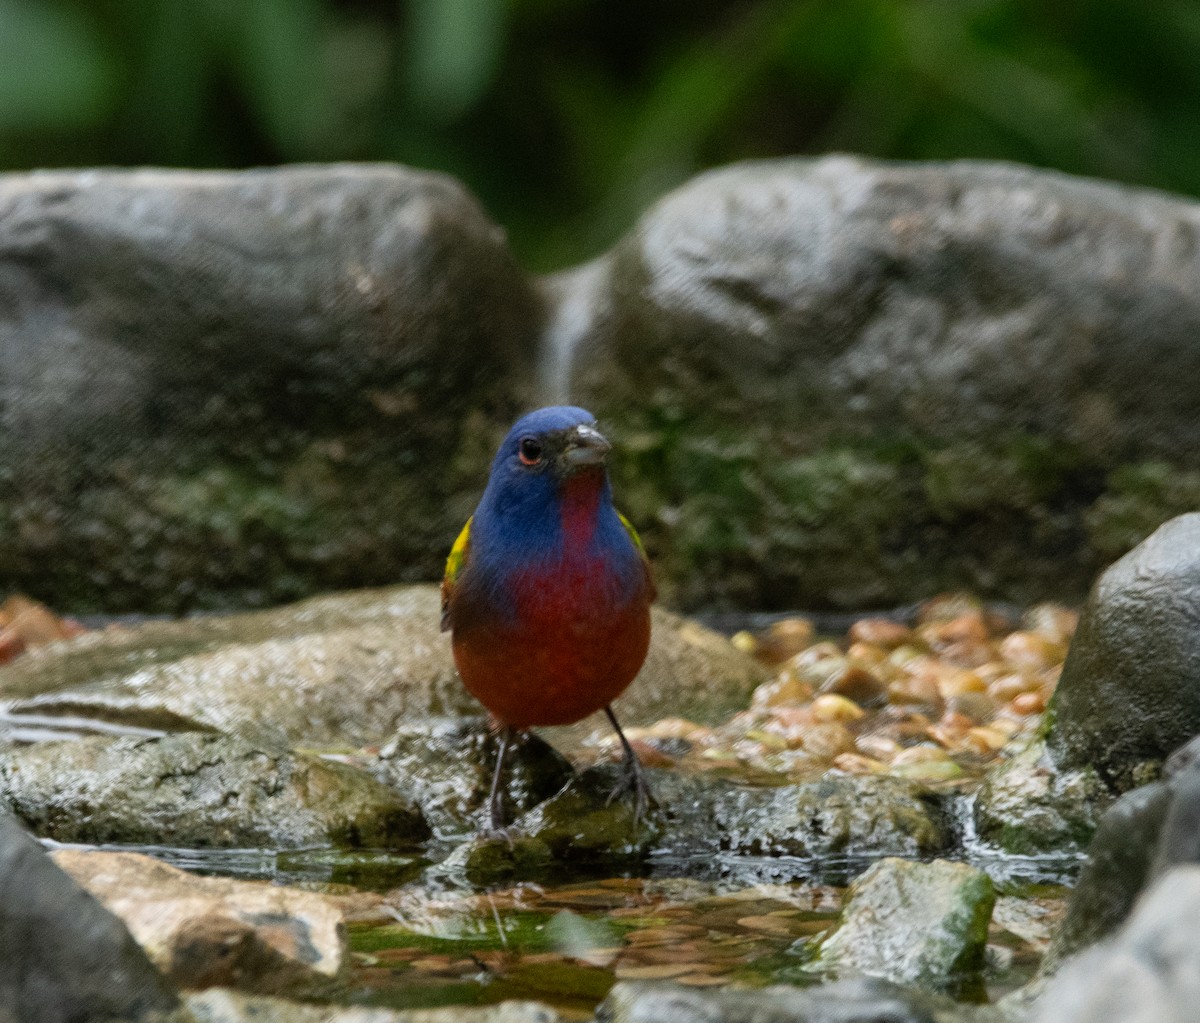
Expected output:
{"points": [[547, 591]]}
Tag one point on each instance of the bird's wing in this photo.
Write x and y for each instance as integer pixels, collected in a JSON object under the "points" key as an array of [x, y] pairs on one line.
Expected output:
{"points": [[454, 563], [637, 542]]}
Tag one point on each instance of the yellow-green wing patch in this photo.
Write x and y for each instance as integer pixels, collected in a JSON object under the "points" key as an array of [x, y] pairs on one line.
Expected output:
{"points": [[454, 563], [637, 542], [633, 535]]}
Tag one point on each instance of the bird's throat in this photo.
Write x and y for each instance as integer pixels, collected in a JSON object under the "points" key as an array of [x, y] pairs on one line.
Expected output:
{"points": [[580, 506]]}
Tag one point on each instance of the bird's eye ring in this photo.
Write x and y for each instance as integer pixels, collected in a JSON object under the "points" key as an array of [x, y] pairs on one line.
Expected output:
{"points": [[530, 451]]}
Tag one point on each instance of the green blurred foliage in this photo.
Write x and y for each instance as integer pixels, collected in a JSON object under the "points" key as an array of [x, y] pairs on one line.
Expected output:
{"points": [[568, 116]]}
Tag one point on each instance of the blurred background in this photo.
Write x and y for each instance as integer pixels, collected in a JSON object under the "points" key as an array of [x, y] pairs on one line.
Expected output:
{"points": [[567, 117]]}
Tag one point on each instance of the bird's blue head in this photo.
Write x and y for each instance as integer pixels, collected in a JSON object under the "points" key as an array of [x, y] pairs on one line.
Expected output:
{"points": [[552, 444], [544, 454]]}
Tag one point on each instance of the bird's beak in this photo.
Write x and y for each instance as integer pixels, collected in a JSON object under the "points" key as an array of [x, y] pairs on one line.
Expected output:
{"points": [[585, 446]]}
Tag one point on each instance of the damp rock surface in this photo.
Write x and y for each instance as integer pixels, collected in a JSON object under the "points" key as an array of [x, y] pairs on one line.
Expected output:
{"points": [[1028, 804], [1141, 837], [200, 791], [863, 1001], [344, 669], [924, 924], [446, 767], [834, 815], [1130, 689], [221, 1005]]}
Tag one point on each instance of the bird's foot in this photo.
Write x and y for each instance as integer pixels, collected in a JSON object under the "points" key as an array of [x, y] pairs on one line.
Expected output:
{"points": [[494, 834], [633, 782]]}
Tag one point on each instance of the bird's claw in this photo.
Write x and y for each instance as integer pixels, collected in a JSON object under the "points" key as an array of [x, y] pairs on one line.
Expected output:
{"points": [[633, 781], [500, 833]]}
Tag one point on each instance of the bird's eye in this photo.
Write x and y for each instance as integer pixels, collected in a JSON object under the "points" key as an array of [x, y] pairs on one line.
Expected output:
{"points": [[530, 451]]}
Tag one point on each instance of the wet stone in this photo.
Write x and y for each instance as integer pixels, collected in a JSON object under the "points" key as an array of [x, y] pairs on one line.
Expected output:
{"points": [[220, 1005], [1140, 838], [490, 859], [924, 924], [858, 1001], [1028, 804], [1130, 688], [585, 823], [343, 669], [445, 766], [1148, 972], [838, 814], [200, 791]]}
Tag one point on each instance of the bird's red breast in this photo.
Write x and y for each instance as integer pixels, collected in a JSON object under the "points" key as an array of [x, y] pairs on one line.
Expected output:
{"points": [[574, 631]]}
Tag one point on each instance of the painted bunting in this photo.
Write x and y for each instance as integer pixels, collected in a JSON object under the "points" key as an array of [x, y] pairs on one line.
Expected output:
{"points": [[547, 589]]}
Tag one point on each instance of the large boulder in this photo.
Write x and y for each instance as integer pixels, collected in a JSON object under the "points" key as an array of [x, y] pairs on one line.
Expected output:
{"points": [[239, 388], [348, 668], [845, 382], [67, 959], [1130, 688], [232, 389]]}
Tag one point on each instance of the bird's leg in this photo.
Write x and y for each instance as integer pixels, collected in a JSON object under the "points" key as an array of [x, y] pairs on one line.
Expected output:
{"points": [[633, 779], [495, 800]]}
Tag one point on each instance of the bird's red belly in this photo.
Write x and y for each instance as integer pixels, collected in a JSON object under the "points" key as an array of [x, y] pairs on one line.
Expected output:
{"points": [[555, 666]]}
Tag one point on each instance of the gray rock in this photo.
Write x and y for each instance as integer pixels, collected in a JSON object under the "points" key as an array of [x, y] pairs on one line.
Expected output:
{"points": [[66, 959], [858, 1001], [1130, 688], [1028, 804], [446, 766], [1143, 835], [836, 822], [220, 1005], [342, 669], [240, 388], [924, 924], [1148, 973], [585, 823], [199, 791], [827, 373], [838, 815], [487, 860], [346, 669], [1118, 864]]}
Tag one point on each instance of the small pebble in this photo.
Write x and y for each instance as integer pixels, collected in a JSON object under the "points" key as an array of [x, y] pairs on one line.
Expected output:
{"points": [[1029, 703], [785, 691], [1030, 650], [880, 632], [831, 707]]}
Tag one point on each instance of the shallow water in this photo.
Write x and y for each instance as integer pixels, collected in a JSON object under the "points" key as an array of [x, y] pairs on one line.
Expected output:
{"points": [[567, 945], [738, 921]]}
